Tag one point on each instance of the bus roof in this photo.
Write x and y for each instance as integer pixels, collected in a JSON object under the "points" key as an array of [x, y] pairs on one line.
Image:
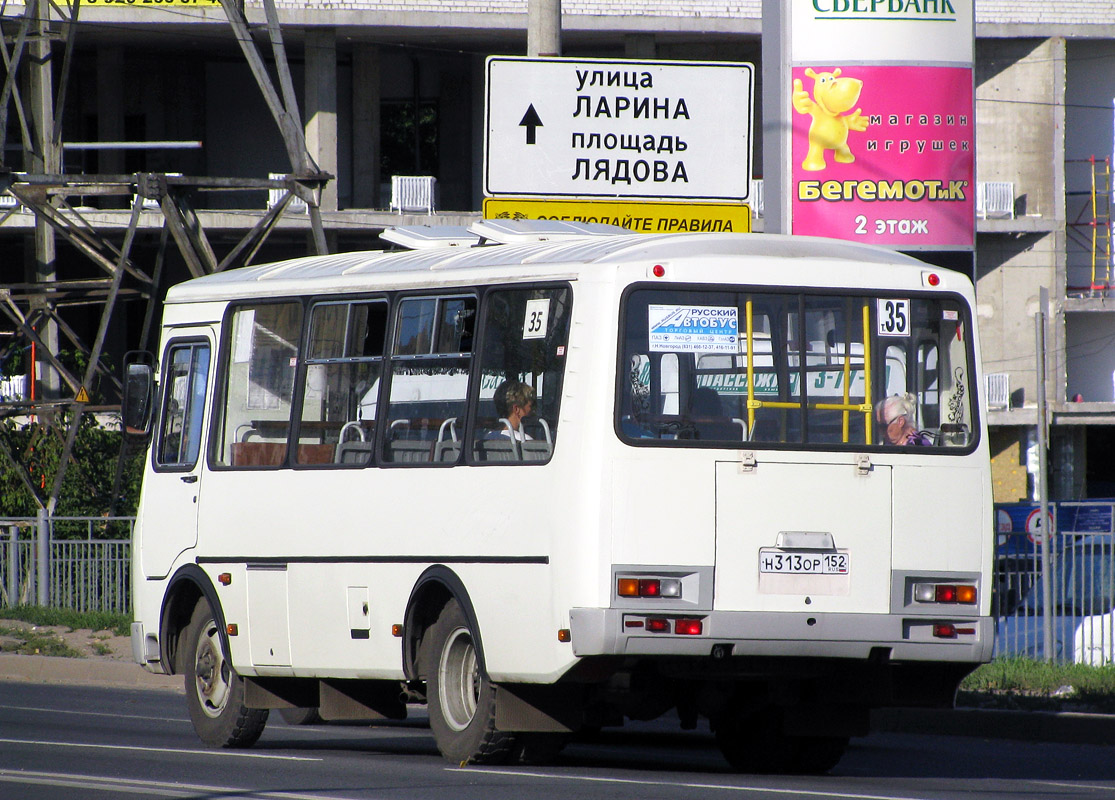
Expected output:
{"points": [[373, 269]]}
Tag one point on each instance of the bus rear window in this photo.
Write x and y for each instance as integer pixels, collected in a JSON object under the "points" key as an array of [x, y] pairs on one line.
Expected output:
{"points": [[725, 368]]}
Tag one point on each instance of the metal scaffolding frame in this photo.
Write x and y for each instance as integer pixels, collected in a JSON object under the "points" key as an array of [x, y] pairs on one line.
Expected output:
{"points": [[44, 191]]}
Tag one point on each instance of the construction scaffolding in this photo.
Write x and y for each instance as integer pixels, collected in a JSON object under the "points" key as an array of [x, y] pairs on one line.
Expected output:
{"points": [[33, 306], [1091, 229]]}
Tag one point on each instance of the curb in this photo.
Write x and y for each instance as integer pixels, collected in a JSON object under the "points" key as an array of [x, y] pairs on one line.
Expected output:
{"points": [[1058, 727], [85, 672]]}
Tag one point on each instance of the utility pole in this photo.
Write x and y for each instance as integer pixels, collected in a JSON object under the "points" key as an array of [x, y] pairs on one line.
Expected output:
{"points": [[543, 28], [1046, 538], [44, 159]]}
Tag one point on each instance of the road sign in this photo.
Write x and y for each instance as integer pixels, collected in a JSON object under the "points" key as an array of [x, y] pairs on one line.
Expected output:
{"points": [[618, 128], [638, 216]]}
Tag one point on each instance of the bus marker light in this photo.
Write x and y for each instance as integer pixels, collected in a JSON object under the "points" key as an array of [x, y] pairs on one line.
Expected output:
{"points": [[225, 578], [688, 627], [564, 635], [396, 630], [944, 630], [231, 629], [627, 587], [945, 593], [658, 271], [658, 625], [966, 595]]}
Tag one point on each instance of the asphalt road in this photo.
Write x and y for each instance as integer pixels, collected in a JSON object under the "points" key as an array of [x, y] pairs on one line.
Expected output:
{"points": [[95, 742]]}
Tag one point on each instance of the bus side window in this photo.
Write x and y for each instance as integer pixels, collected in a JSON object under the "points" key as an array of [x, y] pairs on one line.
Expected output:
{"points": [[258, 385], [187, 375], [429, 375], [344, 367], [522, 362]]}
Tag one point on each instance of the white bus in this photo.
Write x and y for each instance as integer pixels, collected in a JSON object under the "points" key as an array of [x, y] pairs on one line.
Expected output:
{"points": [[699, 513]]}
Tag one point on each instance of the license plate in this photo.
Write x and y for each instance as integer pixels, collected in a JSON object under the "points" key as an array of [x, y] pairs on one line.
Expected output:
{"points": [[778, 561]]}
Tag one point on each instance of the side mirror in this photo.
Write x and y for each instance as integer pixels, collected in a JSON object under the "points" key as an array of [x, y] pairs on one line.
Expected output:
{"points": [[139, 393]]}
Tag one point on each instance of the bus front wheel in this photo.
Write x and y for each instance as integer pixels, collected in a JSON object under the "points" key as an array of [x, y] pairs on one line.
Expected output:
{"points": [[460, 696], [214, 692]]}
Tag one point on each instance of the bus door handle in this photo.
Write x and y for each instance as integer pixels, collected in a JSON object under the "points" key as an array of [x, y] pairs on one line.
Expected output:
{"points": [[189, 479]]}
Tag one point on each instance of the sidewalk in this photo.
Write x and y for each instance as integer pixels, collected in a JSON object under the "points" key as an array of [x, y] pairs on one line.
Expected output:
{"points": [[1031, 726], [84, 672]]}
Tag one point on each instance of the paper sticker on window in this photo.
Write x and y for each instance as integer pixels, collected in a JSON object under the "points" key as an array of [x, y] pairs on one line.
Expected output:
{"points": [[537, 315], [693, 329], [894, 317]]}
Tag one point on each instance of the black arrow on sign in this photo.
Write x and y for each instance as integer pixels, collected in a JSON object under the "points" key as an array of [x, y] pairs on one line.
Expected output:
{"points": [[531, 122]]}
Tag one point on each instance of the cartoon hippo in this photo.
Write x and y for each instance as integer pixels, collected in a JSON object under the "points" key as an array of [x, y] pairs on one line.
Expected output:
{"points": [[832, 96]]}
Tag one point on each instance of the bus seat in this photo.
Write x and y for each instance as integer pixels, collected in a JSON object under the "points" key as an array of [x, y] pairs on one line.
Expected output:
{"points": [[500, 449], [446, 451], [409, 451], [354, 452], [536, 450]]}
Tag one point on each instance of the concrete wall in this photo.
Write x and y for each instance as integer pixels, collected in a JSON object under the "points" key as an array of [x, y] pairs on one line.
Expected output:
{"points": [[1011, 270], [1017, 84]]}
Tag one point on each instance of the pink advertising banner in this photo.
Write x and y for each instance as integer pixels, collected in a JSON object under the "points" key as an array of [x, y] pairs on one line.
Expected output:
{"points": [[884, 155]]}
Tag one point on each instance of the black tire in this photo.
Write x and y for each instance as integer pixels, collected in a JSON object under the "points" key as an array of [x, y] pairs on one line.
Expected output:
{"points": [[461, 698], [816, 755], [301, 716], [214, 692], [754, 742]]}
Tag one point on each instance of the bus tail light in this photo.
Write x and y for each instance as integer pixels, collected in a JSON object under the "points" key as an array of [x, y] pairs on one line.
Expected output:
{"points": [[648, 587], [688, 627], [964, 594], [658, 625], [944, 630]]}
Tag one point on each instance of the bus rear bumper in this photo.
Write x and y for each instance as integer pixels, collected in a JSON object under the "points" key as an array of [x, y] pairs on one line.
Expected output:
{"points": [[619, 632]]}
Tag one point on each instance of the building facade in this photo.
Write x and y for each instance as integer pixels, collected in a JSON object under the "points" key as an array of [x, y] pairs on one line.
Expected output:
{"points": [[397, 88]]}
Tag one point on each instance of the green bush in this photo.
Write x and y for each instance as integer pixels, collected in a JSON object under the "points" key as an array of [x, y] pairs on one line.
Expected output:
{"points": [[88, 484]]}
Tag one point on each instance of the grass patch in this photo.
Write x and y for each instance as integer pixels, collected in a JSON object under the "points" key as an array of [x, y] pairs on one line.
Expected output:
{"points": [[119, 624], [1038, 685], [36, 643]]}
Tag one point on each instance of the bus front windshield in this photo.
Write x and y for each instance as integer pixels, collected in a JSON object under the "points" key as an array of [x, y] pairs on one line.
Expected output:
{"points": [[787, 369]]}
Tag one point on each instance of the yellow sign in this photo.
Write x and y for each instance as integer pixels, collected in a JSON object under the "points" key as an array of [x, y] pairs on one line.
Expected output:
{"points": [[82, 396], [636, 215], [148, 3]]}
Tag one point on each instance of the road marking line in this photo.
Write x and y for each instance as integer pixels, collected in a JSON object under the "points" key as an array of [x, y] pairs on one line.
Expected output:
{"points": [[672, 784], [93, 714], [138, 786], [172, 750], [1074, 786]]}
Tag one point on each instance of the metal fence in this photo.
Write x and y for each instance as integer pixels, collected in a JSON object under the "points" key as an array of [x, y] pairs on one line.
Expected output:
{"points": [[1070, 619], [79, 563]]}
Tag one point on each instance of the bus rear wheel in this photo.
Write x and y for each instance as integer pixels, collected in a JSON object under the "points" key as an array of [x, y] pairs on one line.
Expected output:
{"points": [[460, 696], [214, 692]]}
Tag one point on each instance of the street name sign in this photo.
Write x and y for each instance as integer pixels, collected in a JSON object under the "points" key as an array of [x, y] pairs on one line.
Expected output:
{"points": [[666, 130]]}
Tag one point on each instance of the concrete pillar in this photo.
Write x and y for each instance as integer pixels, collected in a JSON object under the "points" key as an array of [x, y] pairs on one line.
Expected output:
{"points": [[47, 160], [543, 28], [366, 146], [321, 106]]}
